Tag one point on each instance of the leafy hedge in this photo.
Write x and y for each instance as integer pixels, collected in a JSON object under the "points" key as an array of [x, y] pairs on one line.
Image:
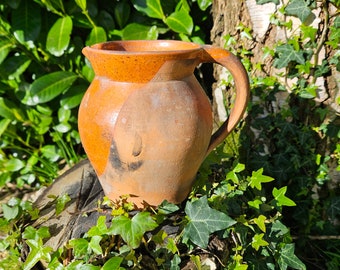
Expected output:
{"points": [[267, 194]]}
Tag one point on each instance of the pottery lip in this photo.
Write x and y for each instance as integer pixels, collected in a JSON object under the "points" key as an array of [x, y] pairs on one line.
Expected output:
{"points": [[145, 47]]}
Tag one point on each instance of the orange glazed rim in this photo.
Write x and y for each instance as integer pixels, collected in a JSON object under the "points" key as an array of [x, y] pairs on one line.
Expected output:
{"points": [[145, 47]]}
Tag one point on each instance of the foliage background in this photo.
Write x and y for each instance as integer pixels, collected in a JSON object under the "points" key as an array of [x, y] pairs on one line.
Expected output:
{"points": [[278, 186]]}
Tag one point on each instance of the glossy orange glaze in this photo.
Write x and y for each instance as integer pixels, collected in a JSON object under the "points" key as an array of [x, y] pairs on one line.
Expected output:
{"points": [[145, 122]]}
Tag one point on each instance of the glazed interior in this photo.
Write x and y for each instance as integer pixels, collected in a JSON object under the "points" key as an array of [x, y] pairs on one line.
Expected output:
{"points": [[146, 46]]}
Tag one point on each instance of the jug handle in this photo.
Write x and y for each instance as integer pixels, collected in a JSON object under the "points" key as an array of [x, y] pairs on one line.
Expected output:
{"points": [[228, 60]]}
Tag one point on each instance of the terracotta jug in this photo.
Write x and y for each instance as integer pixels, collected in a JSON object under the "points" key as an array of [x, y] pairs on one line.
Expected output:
{"points": [[145, 122]]}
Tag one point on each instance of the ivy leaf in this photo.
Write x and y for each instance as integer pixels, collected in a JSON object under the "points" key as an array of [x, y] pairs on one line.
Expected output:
{"points": [[203, 221], [260, 222], [261, 2], [180, 22], [10, 212], [298, 8], [48, 87], [99, 229], [80, 246], [113, 264], [95, 244], [152, 8], [35, 234], [288, 258], [59, 35], [61, 202], [37, 253], [286, 54], [334, 208], [281, 199], [257, 178], [258, 241], [132, 230]]}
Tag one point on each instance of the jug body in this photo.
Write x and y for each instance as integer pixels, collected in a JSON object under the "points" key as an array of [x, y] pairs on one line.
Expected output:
{"points": [[145, 121]]}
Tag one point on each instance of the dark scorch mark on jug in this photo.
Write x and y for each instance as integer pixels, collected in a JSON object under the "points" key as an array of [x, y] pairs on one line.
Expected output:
{"points": [[121, 166]]}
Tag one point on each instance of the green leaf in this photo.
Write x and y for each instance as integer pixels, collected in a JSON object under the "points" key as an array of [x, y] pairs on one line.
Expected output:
{"points": [[80, 246], [260, 222], [14, 66], [5, 46], [10, 212], [26, 21], [180, 22], [261, 2], [136, 31], [286, 54], [281, 199], [257, 178], [258, 241], [167, 208], [35, 234], [255, 203], [152, 8], [203, 221], [99, 229], [72, 98], [333, 210], [204, 4], [132, 230], [14, 165], [298, 8], [49, 86], [122, 13], [61, 203], [81, 4], [95, 244], [4, 123], [7, 109], [37, 253], [58, 37], [113, 264], [96, 35], [288, 258]]}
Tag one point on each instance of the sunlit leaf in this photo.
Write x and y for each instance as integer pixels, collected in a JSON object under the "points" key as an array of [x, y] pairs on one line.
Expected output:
{"points": [[5, 46], [58, 37], [136, 31], [180, 22], [203, 220], [258, 241], [35, 234], [257, 178], [152, 8], [61, 203], [132, 230], [49, 86], [80, 246], [298, 8], [286, 54], [113, 264], [96, 35], [204, 4], [281, 199]]}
